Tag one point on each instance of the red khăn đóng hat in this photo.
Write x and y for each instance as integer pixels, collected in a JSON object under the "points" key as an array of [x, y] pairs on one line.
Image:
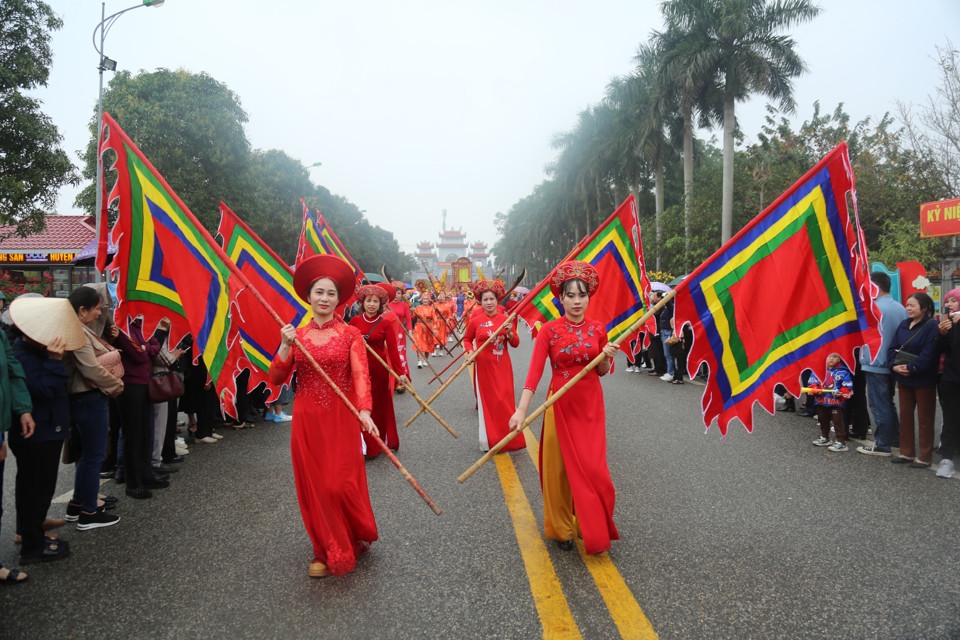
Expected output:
{"points": [[489, 285], [574, 269], [324, 266]]}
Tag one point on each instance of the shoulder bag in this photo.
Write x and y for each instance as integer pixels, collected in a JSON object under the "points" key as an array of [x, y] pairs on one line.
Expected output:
{"points": [[165, 384]]}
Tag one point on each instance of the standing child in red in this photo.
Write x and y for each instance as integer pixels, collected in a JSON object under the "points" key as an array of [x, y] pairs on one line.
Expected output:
{"points": [[493, 379], [831, 395]]}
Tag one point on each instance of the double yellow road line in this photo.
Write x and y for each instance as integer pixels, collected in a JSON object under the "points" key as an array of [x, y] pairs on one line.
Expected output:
{"points": [[552, 606]]}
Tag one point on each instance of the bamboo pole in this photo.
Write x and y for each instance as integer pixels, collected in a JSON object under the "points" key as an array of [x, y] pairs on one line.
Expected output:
{"points": [[409, 386], [562, 390], [506, 295], [316, 365], [473, 356]]}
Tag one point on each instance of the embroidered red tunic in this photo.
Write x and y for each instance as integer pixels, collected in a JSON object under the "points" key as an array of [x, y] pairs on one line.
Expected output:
{"points": [[382, 337], [493, 379], [328, 467], [580, 420]]}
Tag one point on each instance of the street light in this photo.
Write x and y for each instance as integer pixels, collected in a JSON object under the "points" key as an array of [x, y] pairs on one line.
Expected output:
{"points": [[106, 64]]}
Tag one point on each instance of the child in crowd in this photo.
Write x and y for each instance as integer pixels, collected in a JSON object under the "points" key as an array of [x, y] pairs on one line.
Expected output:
{"points": [[831, 395]]}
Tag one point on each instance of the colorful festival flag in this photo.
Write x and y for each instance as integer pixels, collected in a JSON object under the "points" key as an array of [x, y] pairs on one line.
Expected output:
{"points": [[273, 279], [616, 252], [317, 238], [789, 289], [168, 266]]}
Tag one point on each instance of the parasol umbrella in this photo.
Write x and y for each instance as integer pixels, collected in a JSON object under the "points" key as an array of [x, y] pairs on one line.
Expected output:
{"points": [[658, 286], [677, 280], [374, 277], [522, 291]]}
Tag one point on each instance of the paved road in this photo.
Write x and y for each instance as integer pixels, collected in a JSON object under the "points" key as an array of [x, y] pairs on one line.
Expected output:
{"points": [[752, 536]]}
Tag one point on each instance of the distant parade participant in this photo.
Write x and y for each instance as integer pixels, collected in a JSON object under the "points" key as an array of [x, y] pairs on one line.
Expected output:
{"points": [[328, 466], [401, 308], [423, 335], [493, 378], [441, 323], [573, 446], [469, 304], [379, 329]]}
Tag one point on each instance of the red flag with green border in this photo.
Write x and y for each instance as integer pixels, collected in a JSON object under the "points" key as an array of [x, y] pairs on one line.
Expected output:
{"points": [[168, 266], [789, 289]]}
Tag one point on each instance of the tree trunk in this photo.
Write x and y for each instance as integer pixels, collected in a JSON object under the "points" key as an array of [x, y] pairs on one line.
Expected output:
{"points": [[726, 207], [658, 199], [687, 183]]}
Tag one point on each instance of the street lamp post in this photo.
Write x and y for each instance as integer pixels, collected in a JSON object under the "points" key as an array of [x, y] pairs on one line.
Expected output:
{"points": [[106, 64]]}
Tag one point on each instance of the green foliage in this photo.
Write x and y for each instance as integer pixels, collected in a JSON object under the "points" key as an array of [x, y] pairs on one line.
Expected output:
{"points": [[33, 167], [191, 128], [901, 242]]}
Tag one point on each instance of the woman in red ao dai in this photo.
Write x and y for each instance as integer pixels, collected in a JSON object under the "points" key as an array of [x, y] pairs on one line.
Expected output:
{"points": [[380, 331], [328, 466], [573, 446], [493, 376]]}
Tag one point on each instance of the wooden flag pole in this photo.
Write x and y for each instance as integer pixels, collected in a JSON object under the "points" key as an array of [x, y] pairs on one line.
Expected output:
{"points": [[506, 295], [409, 335], [562, 390], [316, 365], [462, 367], [409, 386]]}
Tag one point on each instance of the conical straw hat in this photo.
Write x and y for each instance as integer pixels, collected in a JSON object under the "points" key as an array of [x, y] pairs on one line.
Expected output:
{"points": [[43, 319]]}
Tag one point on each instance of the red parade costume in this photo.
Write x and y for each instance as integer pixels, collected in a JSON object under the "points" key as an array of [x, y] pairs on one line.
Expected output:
{"points": [[573, 452], [422, 336], [493, 379], [441, 322], [328, 468], [380, 333]]}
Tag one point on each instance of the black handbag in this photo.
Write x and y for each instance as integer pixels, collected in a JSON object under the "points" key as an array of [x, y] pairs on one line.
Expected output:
{"points": [[165, 384], [71, 447], [904, 357]]}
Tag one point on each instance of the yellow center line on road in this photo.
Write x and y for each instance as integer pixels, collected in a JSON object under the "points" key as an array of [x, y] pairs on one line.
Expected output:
{"points": [[555, 615], [630, 619]]}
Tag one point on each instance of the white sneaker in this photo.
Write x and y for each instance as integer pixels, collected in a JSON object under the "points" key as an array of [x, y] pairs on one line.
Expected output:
{"points": [[208, 440], [283, 417], [180, 442], [667, 377], [216, 436], [630, 369], [182, 451], [945, 470]]}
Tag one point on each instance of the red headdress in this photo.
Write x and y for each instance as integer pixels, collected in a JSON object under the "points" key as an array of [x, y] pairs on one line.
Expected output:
{"points": [[324, 266], [574, 269], [488, 285], [373, 290]]}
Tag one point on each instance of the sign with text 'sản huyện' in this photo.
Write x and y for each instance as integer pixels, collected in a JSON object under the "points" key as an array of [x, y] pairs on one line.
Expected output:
{"points": [[940, 218]]}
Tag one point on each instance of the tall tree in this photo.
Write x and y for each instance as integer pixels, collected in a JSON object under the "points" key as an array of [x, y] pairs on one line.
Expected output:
{"points": [[737, 46], [683, 88], [33, 167], [191, 127]]}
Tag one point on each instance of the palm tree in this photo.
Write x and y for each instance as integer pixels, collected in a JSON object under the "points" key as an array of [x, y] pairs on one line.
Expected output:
{"points": [[681, 87], [737, 46]]}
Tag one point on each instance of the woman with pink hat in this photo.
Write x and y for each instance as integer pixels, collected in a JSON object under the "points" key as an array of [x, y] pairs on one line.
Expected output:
{"points": [[328, 466], [573, 446]]}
